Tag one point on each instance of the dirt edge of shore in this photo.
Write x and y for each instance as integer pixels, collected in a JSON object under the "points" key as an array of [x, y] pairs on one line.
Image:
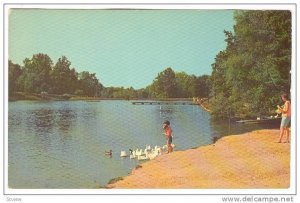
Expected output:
{"points": [[252, 160]]}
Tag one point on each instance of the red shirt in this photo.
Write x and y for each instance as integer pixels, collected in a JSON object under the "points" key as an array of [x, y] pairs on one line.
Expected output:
{"points": [[168, 131]]}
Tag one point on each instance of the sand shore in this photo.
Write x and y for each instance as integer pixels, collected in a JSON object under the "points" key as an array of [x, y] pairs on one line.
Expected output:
{"points": [[251, 160]]}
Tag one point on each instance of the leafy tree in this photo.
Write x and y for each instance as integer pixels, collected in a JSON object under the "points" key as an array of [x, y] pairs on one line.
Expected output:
{"points": [[36, 73], [64, 79], [123, 93], [107, 92], [184, 83], [39, 75], [14, 73], [164, 85], [89, 84], [201, 86], [192, 86], [142, 93], [255, 66]]}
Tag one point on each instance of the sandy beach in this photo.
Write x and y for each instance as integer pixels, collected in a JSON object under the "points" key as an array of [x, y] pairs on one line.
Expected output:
{"points": [[251, 160]]}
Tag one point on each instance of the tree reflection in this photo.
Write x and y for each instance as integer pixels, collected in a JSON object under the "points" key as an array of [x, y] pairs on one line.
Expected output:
{"points": [[65, 119], [41, 120], [166, 111]]}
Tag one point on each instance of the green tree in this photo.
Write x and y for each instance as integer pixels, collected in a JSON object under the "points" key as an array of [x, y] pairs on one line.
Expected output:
{"points": [[120, 93], [255, 66], [14, 73], [107, 92], [142, 93], [36, 73], [164, 85], [201, 86], [89, 84], [184, 83], [64, 79]]}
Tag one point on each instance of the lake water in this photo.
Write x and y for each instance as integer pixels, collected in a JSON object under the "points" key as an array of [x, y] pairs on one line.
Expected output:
{"points": [[61, 144]]}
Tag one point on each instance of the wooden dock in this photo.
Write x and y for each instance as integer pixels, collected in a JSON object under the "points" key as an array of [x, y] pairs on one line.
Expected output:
{"points": [[267, 120], [162, 103]]}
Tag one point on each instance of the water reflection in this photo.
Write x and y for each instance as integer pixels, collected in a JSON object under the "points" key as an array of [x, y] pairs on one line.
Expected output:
{"points": [[166, 112], [41, 120], [66, 118]]}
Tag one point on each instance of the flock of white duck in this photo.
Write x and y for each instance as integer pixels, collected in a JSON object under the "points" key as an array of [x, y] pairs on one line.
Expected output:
{"points": [[145, 154]]}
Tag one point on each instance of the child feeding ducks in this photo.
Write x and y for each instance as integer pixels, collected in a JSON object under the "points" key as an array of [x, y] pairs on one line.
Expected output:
{"points": [[168, 133]]}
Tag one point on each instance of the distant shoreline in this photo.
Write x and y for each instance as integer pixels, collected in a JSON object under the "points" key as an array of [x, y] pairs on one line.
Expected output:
{"points": [[36, 97]]}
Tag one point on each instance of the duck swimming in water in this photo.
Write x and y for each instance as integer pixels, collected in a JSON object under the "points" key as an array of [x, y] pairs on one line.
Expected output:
{"points": [[123, 154], [132, 154], [109, 153]]}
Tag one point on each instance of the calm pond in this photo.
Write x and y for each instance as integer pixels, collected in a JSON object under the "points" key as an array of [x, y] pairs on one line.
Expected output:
{"points": [[61, 144]]}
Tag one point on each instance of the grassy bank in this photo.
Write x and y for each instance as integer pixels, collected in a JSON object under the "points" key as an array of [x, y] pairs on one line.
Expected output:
{"points": [[23, 96]]}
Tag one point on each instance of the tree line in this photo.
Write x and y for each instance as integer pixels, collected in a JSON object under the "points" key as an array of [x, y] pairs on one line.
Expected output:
{"points": [[39, 74], [254, 69]]}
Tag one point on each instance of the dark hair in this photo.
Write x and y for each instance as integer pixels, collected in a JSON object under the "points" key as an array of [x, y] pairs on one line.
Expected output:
{"points": [[284, 95], [167, 122]]}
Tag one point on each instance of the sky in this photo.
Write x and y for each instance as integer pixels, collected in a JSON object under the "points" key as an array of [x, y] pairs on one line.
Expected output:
{"points": [[123, 47]]}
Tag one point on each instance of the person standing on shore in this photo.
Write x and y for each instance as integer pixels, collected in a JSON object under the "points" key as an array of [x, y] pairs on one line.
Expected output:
{"points": [[168, 133], [286, 117]]}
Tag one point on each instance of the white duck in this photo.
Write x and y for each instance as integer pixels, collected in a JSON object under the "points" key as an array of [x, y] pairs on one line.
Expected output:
{"points": [[158, 150], [123, 154], [148, 147], [132, 154], [152, 155], [139, 152], [143, 157], [146, 152]]}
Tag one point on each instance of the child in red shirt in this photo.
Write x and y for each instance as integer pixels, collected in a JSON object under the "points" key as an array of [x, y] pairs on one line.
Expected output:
{"points": [[168, 134]]}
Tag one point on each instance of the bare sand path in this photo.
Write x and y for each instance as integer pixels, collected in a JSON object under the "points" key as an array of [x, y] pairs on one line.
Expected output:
{"points": [[251, 160]]}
